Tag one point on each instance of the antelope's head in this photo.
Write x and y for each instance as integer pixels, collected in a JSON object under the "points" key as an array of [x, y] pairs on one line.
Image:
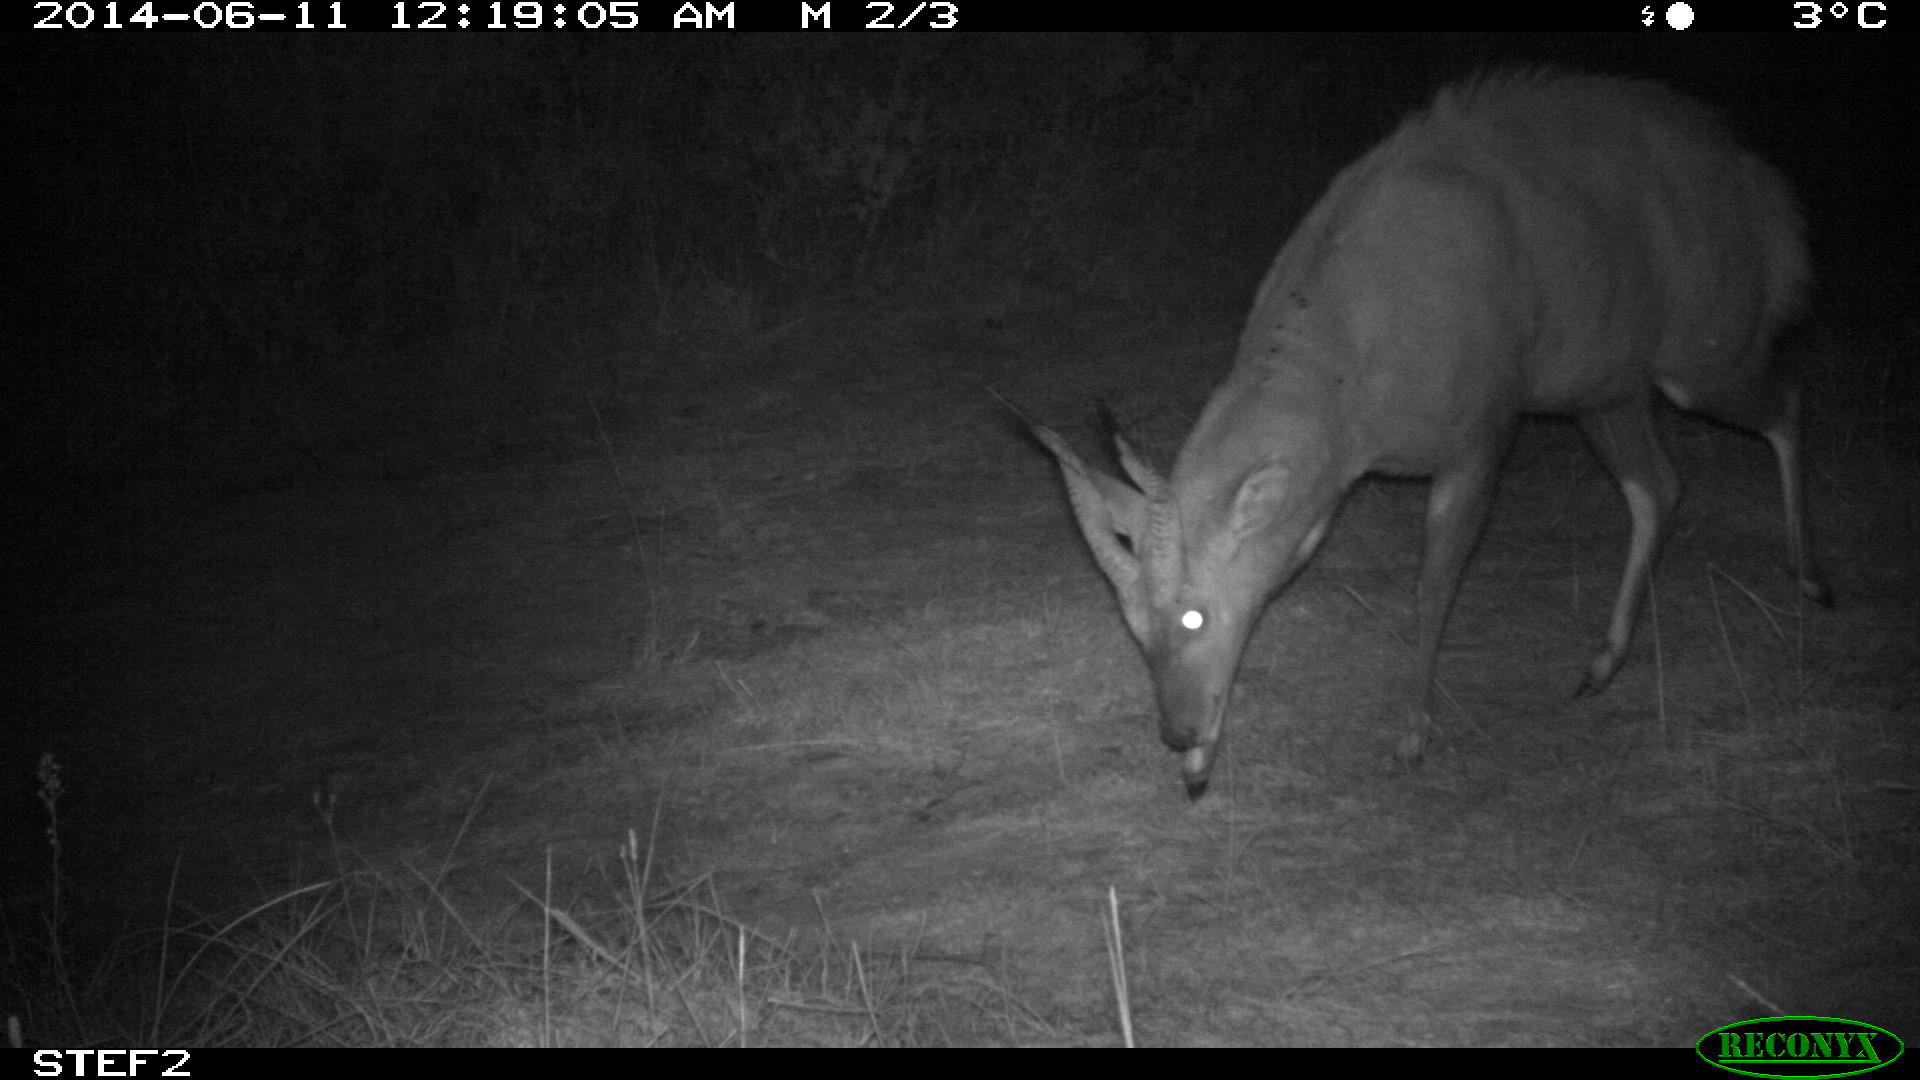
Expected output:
{"points": [[1193, 563]]}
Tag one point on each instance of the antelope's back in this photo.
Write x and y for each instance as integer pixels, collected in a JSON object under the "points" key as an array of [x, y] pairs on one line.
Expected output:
{"points": [[1554, 237]]}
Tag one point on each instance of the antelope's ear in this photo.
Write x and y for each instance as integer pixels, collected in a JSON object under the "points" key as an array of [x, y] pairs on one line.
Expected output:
{"points": [[1107, 510], [1258, 502]]}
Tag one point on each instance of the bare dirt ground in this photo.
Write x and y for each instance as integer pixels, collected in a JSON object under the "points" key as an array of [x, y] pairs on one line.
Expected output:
{"points": [[817, 621]]}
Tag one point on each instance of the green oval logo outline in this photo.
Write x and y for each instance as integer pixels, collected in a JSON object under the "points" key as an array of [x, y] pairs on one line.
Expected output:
{"points": [[1831, 1047]]}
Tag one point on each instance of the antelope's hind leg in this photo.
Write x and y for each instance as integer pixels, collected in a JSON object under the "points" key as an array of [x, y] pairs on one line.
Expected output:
{"points": [[1625, 439]]}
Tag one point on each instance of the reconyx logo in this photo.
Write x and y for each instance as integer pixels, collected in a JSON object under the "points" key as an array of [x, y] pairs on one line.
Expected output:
{"points": [[1799, 1047]]}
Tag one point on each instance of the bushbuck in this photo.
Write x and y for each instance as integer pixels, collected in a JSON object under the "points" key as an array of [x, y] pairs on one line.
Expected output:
{"points": [[1534, 241]]}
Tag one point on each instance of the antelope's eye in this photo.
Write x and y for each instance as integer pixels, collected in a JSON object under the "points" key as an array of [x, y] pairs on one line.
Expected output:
{"points": [[1192, 619]]}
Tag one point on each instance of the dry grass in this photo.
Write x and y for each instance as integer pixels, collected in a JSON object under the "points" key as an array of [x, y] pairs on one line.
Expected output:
{"points": [[371, 958]]}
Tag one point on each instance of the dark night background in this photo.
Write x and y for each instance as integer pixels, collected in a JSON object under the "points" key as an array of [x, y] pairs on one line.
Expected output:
{"points": [[244, 259]]}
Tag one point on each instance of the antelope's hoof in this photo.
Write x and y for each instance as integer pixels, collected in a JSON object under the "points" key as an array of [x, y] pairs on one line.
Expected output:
{"points": [[1413, 745], [1817, 591]]}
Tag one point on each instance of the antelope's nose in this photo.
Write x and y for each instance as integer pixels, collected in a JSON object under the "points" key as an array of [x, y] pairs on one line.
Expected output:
{"points": [[1196, 770]]}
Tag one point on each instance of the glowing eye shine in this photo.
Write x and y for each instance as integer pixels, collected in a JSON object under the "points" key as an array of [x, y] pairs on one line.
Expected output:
{"points": [[1193, 620]]}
